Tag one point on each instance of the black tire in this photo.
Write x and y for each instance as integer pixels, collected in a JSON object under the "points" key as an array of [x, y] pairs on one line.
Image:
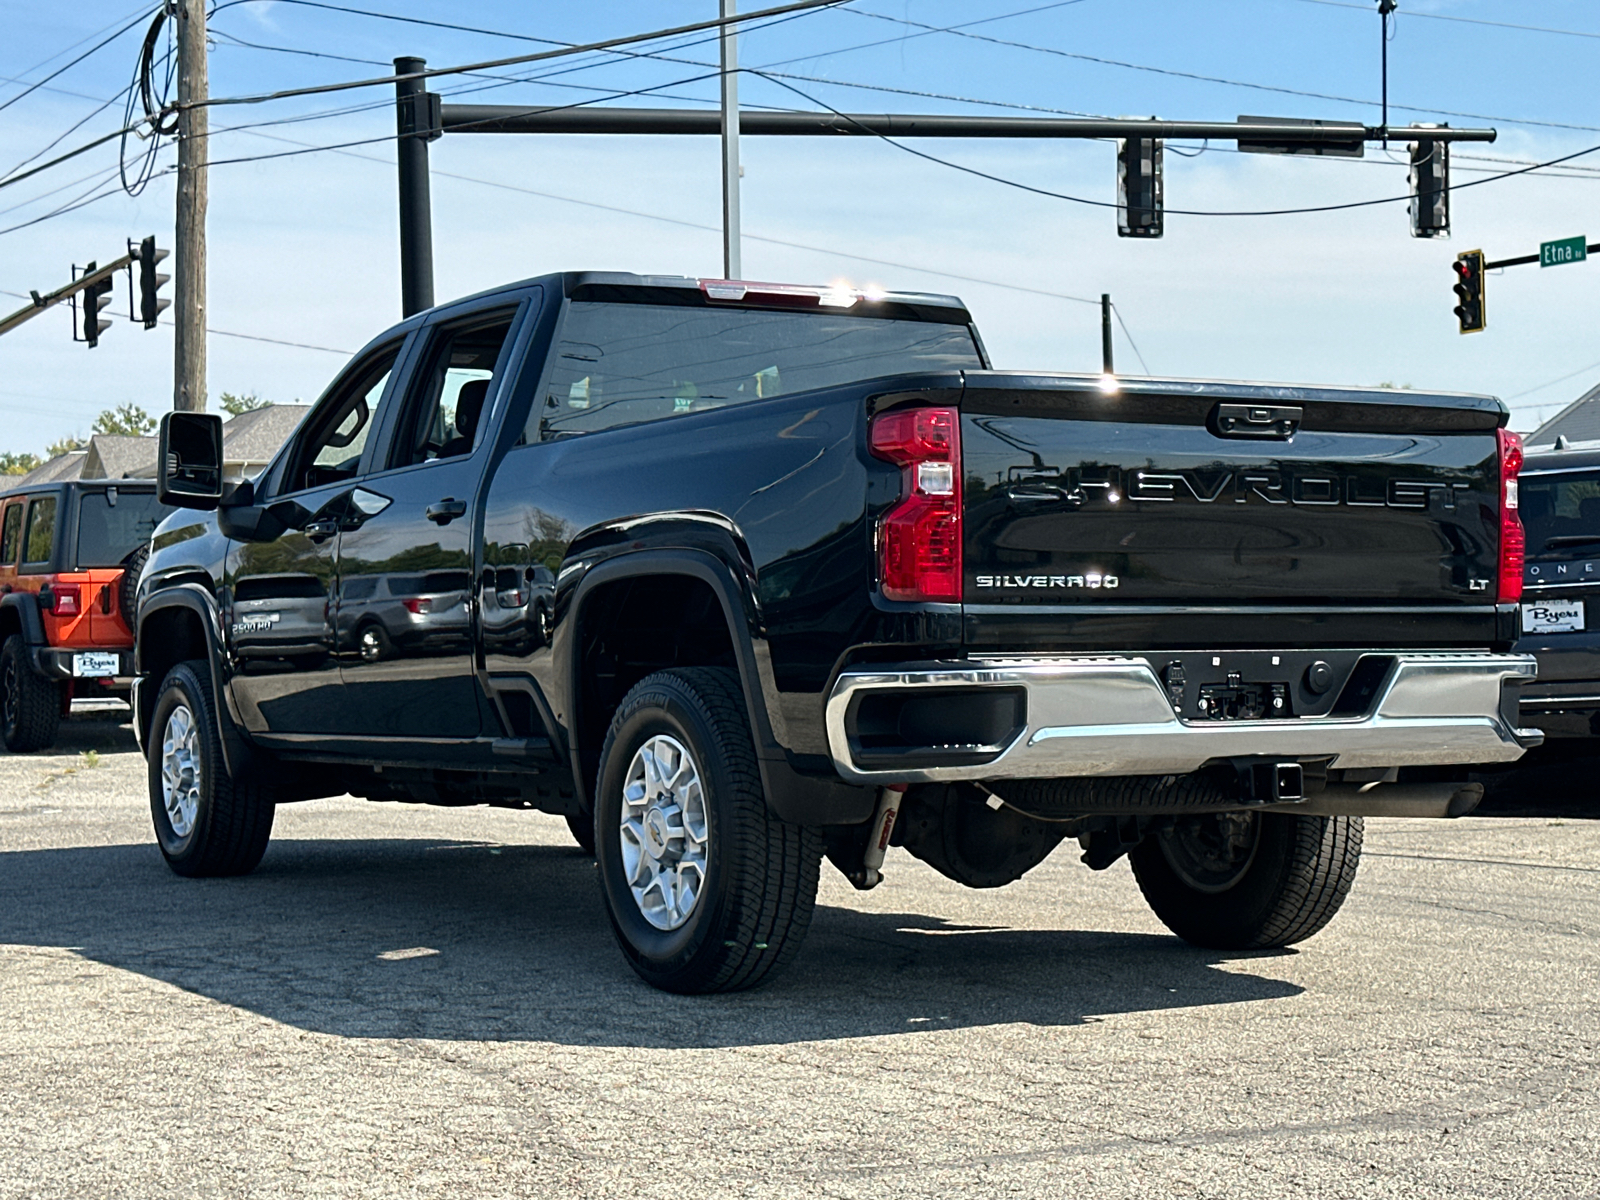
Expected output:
{"points": [[760, 883], [232, 819], [582, 827], [30, 705], [1280, 886], [128, 588]]}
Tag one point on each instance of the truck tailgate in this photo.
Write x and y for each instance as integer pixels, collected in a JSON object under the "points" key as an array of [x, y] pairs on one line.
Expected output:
{"points": [[1210, 514]]}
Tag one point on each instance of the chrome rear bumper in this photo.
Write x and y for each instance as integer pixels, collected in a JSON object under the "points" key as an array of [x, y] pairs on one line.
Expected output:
{"points": [[1111, 716]]}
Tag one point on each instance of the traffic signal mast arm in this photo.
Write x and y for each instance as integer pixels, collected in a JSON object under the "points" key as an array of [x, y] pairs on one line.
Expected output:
{"points": [[50, 299], [1525, 259]]}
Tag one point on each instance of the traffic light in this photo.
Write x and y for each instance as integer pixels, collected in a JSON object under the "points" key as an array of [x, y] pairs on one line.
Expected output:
{"points": [[1139, 190], [1430, 188], [1469, 287], [95, 297], [151, 306]]}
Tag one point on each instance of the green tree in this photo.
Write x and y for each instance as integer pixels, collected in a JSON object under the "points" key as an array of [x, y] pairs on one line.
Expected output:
{"points": [[12, 463], [126, 420], [65, 445], [243, 402]]}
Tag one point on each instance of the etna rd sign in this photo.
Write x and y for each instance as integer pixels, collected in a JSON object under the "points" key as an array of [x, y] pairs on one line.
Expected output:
{"points": [[1562, 252]]}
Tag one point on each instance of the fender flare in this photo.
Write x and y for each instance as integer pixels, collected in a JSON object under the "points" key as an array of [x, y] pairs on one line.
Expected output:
{"points": [[237, 751], [801, 799], [26, 606]]}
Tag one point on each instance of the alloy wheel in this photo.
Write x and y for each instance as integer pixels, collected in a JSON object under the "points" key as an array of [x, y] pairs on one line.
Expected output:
{"points": [[180, 771], [665, 833]]}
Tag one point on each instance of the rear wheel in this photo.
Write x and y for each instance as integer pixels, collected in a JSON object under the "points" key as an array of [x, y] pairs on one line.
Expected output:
{"points": [[207, 823], [1248, 881], [30, 705], [374, 644], [708, 890]]}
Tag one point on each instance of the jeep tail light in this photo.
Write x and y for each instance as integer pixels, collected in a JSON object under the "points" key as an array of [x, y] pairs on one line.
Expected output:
{"points": [[418, 606], [1513, 543], [66, 600], [919, 539]]}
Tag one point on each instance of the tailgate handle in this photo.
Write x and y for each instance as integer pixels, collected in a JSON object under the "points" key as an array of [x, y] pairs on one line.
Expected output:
{"points": [[1278, 421]]}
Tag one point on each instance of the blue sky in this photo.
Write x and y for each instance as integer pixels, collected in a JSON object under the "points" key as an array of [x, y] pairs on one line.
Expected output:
{"points": [[303, 248]]}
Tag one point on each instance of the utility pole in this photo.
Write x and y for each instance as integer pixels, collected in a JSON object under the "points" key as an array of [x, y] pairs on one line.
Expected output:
{"points": [[1105, 334], [731, 268], [415, 125], [189, 284]]}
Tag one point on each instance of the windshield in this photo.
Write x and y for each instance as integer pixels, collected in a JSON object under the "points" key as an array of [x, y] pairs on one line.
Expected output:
{"points": [[113, 523], [617, 364]]}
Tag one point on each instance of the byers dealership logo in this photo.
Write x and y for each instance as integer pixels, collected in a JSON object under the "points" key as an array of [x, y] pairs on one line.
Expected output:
{"points": [[1089, 579]]}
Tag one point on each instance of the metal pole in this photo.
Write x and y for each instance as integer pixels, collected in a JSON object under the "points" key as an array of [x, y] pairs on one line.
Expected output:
{"points": [[1105, 334], [189, 270], [1385, 7], [416, 210], [731, 268]]}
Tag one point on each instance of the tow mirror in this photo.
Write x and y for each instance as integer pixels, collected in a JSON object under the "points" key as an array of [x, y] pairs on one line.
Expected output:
{"points": [[189, 466]]}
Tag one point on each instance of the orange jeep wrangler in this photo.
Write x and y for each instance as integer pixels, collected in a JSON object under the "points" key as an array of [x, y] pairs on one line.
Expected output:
{"points": [[70, 557]]}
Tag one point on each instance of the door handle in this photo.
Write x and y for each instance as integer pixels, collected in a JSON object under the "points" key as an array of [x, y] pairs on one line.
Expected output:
{"points": [[321, 531], [444, 511]]}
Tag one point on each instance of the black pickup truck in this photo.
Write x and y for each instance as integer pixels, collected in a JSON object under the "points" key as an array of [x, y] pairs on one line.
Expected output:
{"points": [[739, 576]]}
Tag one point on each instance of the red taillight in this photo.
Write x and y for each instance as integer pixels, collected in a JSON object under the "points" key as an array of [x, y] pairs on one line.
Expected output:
{"points": [[418, 606], [919, 539], [1513, 543], [66, 600]]}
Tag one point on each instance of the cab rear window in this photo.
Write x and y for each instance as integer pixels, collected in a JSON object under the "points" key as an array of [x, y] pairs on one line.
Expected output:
{"points": [[620, 364]]}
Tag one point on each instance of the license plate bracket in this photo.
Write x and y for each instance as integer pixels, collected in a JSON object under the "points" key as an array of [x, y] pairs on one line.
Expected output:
{"points": [[96, 664], [1553, 616]]}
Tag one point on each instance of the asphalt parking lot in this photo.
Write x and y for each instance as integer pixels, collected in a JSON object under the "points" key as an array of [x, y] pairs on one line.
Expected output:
{"points": [[422, 1002]]}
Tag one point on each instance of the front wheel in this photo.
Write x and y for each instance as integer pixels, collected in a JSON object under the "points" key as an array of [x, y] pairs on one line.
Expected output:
{"points": [[1248, 881], [207, 823], [707, 889]]}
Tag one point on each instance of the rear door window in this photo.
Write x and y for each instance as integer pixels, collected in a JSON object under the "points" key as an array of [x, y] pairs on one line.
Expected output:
{"points": [[619, 364], [11, 535], [40, 538], [113, 523]]}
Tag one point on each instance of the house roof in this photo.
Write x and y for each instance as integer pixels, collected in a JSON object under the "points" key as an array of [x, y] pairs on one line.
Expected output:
{"points": [[61, 468], [114, 456], [254, 437], [1577, 422]]}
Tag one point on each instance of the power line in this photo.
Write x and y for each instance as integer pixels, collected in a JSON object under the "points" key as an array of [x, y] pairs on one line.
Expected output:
{"points": [[249, 337], [1260, 87], [1571, 375], [517, 60], [1463, 20], [1117, 312], [59, 70]]}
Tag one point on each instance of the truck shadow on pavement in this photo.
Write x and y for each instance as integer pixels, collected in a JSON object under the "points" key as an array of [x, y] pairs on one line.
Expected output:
{"points": [[464, 941]]}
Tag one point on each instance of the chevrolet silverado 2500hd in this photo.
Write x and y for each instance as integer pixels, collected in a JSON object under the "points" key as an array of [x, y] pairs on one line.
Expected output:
{"points": [[737, 576]]}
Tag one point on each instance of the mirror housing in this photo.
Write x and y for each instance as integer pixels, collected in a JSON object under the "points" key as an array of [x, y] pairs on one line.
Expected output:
{"points": [[189, 460]]}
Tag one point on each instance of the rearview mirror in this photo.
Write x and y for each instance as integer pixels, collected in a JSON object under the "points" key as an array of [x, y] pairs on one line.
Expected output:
{"points": [[189, 466]]}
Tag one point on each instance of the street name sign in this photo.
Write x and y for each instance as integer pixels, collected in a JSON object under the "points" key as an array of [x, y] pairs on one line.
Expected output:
{"points": [[1560, 253]]}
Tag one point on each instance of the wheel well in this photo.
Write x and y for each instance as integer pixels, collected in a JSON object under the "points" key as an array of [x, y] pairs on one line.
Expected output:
{"points": [[168, 637], [633, 628], [10, 623]]}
